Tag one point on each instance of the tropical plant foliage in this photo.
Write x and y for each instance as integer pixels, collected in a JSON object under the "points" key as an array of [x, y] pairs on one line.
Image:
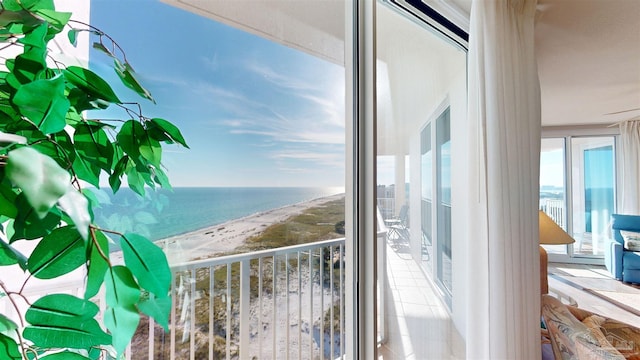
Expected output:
{"points": [[51, 155]]}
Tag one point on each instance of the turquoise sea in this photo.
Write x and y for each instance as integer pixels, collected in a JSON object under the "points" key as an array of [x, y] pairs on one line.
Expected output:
{"points": [[165, 213]]}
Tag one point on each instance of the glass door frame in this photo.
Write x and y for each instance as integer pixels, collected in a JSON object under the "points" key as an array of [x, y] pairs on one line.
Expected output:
{"points": [[361, 138], [568, 133]]}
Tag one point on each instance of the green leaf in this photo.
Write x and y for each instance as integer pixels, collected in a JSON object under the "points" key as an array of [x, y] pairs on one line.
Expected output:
{"points": [[6, 324], [35, 38], [27, 4], [122, 324], [157, 308], [161, 178], [41, 179], [121, 288], [28, 225], [86, 171], [127, 75], [64, 355], [9, 348], [44, 103], [93, 144], [150, 149], [101, 47], [72, 35], [121, 318], [18, 17], [162, 130], [119, 170], [64, 321], [7, 202], [10, 256], [97, 266], [147, 263], [128, 138], [135, 181], [49, 149], [27, 66], [74, 204], [58, 253], [56, 20], [144, 217], [91, 83]]}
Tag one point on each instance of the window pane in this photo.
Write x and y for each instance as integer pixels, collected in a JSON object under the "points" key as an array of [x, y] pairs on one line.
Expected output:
{"points": [[552, 186], [443, 139], [593, 174], [258, 90], [426, 210], [421, 87]]}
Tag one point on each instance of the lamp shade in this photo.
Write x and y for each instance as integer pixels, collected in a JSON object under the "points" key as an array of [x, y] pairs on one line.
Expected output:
{"points": [[551, 233]]}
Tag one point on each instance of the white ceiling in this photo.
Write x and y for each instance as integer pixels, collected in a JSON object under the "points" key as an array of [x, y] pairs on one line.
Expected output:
{"points": [[588, 60], [588, 50]]}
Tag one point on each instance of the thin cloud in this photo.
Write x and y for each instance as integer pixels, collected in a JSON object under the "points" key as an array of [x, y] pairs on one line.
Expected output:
{"points": [[210, 63], [281, 80]]}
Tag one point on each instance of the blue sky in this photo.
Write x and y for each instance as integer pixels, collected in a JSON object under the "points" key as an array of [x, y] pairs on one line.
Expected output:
{"points": [[254, 112]]}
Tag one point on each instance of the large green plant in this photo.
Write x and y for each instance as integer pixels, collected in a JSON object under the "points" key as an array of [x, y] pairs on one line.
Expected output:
{"points": [[50, 155]]}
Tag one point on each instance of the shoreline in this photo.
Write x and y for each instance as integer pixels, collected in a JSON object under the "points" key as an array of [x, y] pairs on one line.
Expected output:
{"points": [[217, 239]]}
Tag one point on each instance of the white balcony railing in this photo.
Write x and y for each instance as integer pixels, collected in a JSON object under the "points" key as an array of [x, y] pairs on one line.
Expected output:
{"points": [[555, 209], [285, 303]]}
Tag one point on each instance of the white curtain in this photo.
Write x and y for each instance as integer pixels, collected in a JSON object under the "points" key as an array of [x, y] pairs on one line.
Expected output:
{"points": [[504, 114], [630, 136]]}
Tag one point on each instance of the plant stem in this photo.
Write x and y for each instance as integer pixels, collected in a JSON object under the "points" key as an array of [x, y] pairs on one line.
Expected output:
{"points": [[95, 242], [15, 306]]}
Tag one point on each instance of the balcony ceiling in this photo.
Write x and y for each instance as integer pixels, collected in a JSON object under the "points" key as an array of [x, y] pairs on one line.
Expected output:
{"points": [[588, 50]]}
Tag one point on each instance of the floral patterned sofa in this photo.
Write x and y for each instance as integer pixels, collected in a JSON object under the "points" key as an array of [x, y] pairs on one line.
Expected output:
{"points": [[580, 334]]}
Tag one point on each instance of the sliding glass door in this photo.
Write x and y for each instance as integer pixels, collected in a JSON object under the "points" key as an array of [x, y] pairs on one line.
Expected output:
{"points": [[581, 200], [593, 180], [421, 85]]}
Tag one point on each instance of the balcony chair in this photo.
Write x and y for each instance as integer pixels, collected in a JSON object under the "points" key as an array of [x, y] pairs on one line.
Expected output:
{"points": [[623, 261], [399, 227]]}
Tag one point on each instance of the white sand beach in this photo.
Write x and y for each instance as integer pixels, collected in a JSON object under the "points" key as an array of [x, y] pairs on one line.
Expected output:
{"points": [[217, 239]]}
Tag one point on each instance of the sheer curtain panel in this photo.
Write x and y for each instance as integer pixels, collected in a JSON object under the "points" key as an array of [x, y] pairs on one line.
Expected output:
{"points": [[630, 194], [504, 115]]}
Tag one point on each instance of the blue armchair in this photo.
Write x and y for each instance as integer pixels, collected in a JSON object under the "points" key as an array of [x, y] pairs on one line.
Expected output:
{"points": [[623, 264]]}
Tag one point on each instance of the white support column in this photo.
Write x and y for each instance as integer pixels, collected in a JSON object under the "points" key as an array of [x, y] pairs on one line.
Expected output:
{"points": [[400, 181]]}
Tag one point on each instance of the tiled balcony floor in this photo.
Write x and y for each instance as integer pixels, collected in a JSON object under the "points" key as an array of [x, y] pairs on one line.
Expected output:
{"points": [[418, 324]]}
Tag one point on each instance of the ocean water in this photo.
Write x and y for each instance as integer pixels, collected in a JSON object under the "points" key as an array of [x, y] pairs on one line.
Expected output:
{"points": [[165, 213]]}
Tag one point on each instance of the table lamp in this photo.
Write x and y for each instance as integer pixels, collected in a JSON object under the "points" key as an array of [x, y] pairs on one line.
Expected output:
{"points": [[550, 234]]}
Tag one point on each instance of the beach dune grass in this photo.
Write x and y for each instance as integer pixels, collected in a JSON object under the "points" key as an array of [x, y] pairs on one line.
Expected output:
{"points": [[314, 224]]}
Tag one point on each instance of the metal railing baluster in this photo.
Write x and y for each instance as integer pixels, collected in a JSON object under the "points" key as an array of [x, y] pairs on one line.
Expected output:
{"points": [[274, 308], [311, 304], [245, 298], [331, 292], [260, 261], [286, 269], [299, 306], [228, 303], [212, 296], [172, 346], [322, 303], [192, 315]]}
